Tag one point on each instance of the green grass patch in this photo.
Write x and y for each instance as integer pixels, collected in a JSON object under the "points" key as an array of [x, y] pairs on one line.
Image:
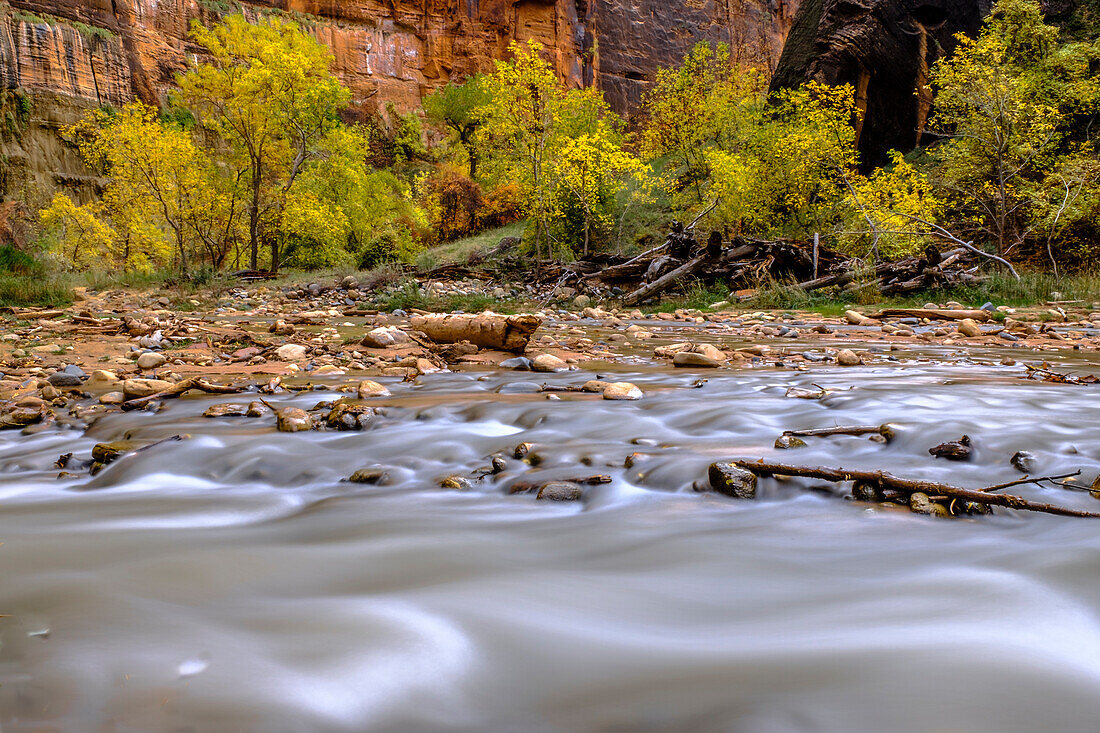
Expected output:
{"points": [[460, 250], [43, 291]]}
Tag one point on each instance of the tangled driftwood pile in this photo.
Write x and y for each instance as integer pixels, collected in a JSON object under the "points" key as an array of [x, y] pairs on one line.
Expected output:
{"points": [[741, 264]]}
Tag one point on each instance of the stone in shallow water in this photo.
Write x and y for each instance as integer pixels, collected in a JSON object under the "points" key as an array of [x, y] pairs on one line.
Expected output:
{"points": [[621, 391], [226, 409], [1024, 461], [151, 360], [692, 359], [519, 363], [369, 388], [372, 476], [63, 379], [292, 420], [731, 480], [847, 357], [560, 491], [548, 363]]}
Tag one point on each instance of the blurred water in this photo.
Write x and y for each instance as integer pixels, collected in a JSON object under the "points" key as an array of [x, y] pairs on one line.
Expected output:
{"points": [[232, 582]]}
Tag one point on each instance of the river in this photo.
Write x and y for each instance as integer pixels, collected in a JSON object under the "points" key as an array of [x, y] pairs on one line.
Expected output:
{"points": [[233, 582]]}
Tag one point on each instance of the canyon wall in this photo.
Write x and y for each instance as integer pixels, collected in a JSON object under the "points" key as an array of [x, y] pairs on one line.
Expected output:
{"points": [[60, 57]]}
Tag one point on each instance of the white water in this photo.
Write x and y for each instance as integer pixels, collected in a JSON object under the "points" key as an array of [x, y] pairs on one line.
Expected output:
{"points": [[231, 582]]}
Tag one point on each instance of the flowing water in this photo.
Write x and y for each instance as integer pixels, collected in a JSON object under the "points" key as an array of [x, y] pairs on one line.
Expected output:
{"points": [[233, 582]]}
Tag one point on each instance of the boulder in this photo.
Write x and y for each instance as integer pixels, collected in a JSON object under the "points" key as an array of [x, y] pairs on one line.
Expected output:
{"points": [[969, 327]]}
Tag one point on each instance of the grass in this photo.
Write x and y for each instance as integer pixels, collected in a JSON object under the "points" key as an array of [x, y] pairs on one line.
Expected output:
{"points": [[410, 297], [1032, 289], [41, 288], [460, 250]]}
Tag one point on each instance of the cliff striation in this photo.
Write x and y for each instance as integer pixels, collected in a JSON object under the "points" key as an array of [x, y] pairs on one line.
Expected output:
{"points": [[63, 56]]}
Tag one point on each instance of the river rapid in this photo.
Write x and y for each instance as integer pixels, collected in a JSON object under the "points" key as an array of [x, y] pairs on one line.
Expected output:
{"points": [[233, 581]]}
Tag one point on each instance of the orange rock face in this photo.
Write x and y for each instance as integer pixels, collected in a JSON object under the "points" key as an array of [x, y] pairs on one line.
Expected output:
{"points": [[93, 52]]}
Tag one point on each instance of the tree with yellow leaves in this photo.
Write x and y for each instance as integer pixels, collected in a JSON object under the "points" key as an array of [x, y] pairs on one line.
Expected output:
{"points": [[268, 91]]}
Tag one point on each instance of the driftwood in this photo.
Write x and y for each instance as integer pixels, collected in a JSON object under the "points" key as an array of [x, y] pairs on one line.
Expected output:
{"points": [[665, 281], [932, 488], [178, 389], [936, 314], [487, 330], [886, 430]]}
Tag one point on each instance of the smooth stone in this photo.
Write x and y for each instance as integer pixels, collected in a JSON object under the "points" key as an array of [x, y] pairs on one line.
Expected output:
{"points": [[1024, 461], [621, 391], [380, 338], [369, 388], [63, 379], [369, 476], [518, 363], [151, 360], [847, 357], [548, 363], [692, 359], [101, 379], [74, 370], [144, 387], [560, 491], [290, 352], [519, 388], [292, 420], [969, 327]]}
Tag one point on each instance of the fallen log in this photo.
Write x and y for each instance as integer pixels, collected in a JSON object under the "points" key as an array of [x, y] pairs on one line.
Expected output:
{"points": [[487, 330], [934, 314], [662, 283], [178, 389], [886, 430], [889, 481]]}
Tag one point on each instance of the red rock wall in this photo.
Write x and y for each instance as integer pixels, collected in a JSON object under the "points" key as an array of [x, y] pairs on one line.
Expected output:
{"points": [[94, 52]]}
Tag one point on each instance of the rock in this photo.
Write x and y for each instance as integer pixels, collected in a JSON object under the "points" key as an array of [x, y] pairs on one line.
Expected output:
{"points": [[789, 441], [290, 352], [64, 380], [281, 328], [548, 363], [134, 388], [594, 385], [693, 359], [343, 416], [374, 476], [847, 357], [107, 452], [102, 379], [560, 491], [987, 306], [519, 363], [74, 370], [582, 301], [1024, 461], [621, 391], [969, 327], [327, 370], [292, 420], [456, 482], [112, 398], [380, 338], [226, 409], [369, 388], [349, 283], [857, 319], [520, 388], [151, 360], [920, 503], [954, 450], [731, 480]]}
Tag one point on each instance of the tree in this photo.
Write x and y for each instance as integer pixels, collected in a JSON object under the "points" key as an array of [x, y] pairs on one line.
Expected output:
{"points": [[457, 107], [1012, 103], [521, 122], [154, 169], [704, 104], [591, 168], [268, 91]]}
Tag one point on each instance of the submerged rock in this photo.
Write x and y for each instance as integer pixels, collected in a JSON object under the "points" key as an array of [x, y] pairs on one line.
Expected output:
{"points": [[374, 476], [560, 491], [1024, 461], [953, 450]]}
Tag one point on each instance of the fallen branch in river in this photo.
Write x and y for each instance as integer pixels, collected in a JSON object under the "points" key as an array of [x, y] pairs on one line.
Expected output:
{"points": [[886, 430], [886, 480], [178, 389]]}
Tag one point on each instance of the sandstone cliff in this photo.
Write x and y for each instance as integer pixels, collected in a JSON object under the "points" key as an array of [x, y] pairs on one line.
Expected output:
{"points": [[884, 49], [63, 56]]}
